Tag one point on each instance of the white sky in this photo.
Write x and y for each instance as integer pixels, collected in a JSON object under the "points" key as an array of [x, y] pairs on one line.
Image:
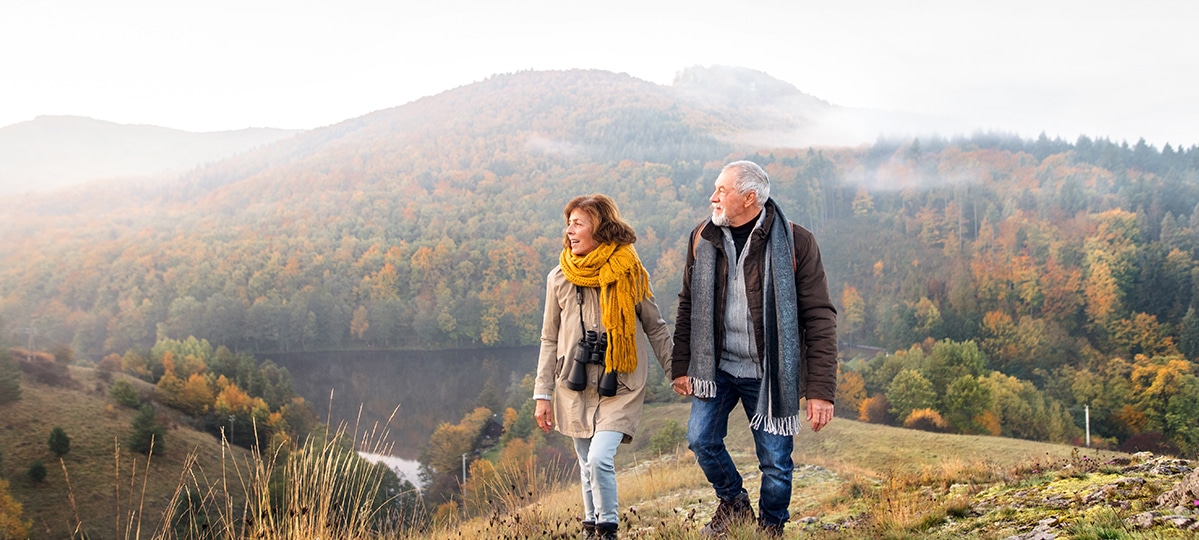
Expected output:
{"points": [[1123, 70]]}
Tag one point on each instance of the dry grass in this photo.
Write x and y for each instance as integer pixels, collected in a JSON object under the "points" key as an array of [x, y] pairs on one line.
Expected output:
{"points": [[325, 491], [104, 485], [853, 480]]}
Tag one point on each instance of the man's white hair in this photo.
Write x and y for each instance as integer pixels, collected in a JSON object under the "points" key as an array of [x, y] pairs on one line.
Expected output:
{"points": [[747, 177]]}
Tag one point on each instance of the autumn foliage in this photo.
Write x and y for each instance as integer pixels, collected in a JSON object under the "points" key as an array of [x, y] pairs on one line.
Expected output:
{"points": [[1062, 263]]}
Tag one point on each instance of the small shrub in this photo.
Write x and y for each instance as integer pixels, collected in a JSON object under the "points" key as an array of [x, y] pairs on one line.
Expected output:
{"points": [[446, 515], [43, 368], [63, 354], [1149, 442], [122, 391], [925, 420], [667, 439], [876, 410], [59, 442], [37, 472], [145, 433], [109, 363]]}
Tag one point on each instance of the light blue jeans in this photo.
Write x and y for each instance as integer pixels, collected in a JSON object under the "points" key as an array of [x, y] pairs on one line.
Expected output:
{"points": [[597, 474]]}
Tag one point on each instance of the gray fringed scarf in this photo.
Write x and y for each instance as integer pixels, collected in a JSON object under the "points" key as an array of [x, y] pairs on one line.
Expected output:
{"points": [[778, 400]]}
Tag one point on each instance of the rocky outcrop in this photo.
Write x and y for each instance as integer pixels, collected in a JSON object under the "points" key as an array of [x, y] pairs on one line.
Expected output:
{"points": [[1185, 494], [1177, 507]]}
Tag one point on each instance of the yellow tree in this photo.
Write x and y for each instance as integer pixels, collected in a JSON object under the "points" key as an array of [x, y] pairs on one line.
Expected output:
{"points": [[1165, 388], [1102, 295], [11, 523], [450, 441], [168, 389], [853, 312], [195, 397], [862, 203], [482, 487], [1144, 335], [851, 392]]}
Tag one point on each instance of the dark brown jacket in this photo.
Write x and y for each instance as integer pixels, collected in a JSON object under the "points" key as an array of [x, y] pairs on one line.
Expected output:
{"points": [[817, 315]]}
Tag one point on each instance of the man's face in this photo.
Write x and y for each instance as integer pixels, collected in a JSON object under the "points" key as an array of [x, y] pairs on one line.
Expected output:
{"points": [[729, 208]]}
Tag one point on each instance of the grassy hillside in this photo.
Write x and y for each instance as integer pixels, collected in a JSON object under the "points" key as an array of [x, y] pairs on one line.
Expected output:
{"points": [[858, 480], [852, 480], [105, 490]]}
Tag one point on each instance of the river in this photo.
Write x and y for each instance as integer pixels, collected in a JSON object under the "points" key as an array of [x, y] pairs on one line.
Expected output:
{"points": [[422, 388]]}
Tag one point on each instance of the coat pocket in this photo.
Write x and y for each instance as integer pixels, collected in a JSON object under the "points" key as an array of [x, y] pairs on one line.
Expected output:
{"points": [[558, 367]]}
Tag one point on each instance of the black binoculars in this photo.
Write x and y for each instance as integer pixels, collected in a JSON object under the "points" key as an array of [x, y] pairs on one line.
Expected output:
{"points": [[592, 349]]}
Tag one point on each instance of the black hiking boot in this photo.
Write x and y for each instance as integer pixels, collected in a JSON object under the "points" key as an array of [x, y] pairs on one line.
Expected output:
{"points": [[606, 531], [589, 530]]}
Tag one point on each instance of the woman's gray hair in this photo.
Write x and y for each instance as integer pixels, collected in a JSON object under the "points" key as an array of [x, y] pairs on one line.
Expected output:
{"points": [[748, 176]]}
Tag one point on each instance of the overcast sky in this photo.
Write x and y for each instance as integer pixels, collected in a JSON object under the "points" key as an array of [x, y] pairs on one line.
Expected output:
{"points": [[1122, 70]]}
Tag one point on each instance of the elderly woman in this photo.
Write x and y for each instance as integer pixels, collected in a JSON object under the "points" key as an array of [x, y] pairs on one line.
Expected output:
{"points": [[591, 374]]}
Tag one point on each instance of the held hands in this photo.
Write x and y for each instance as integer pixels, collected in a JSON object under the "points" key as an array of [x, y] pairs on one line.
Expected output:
{"points": [[544, 415], [681, 385], [820, 412]]}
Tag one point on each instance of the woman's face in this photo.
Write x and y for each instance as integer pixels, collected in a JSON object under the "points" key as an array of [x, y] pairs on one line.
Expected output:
{"points": [[579, 232]]}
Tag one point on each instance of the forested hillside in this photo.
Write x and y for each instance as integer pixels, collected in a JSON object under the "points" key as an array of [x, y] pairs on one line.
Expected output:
{"points": [[1069, 265]]}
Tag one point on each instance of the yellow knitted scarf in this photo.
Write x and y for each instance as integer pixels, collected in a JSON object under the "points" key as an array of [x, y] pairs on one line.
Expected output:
{"points": [[623, 283]]}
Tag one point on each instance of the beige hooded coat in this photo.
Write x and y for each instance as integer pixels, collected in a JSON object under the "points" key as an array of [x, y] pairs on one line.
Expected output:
{"points": [[580, 414]]}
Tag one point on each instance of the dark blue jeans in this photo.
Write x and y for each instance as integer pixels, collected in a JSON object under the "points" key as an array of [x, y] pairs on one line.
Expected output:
{"points": [[706, 430]]}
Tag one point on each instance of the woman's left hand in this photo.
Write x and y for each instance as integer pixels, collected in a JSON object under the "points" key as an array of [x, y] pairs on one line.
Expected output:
{"points": [[544, 415]]}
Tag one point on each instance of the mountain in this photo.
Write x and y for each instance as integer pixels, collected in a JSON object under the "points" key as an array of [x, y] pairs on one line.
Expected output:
{"points": [[51, 152], [432, 225], [775, 113]]}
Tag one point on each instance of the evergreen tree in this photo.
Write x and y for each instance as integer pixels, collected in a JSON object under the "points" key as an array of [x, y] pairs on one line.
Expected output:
{"points": [[10, 377], [59, 442], [145, 433], [37, 472], [1188, 334]]}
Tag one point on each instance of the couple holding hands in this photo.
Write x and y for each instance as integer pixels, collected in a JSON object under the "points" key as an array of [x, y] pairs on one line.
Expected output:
{"points": [[755, 326]]}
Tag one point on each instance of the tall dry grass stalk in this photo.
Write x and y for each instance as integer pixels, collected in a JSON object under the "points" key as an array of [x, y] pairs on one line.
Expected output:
{"points": [[520, 498], [320, 489], [651, 494]]}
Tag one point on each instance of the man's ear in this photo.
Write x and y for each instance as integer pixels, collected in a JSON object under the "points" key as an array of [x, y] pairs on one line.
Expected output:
{"points": [[751, 199]]}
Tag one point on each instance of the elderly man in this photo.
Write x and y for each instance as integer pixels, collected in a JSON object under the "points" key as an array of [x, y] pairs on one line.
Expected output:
{"points": [[755, 325]]}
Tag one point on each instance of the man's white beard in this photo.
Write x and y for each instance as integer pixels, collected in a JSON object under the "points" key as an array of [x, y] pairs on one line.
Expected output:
{"points": [[720, 219]]}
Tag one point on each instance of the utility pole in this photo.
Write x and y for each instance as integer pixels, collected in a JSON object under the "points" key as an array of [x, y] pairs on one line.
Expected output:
{"points": [[1087, 408], [464, 469], [29, 331]]}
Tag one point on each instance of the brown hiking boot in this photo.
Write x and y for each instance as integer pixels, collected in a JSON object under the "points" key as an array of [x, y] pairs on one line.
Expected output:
{"points": [[729, 513], [770, 531]]}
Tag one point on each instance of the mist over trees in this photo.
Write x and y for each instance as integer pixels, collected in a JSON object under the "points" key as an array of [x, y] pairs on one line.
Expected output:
{"points": [[1069, 266]]}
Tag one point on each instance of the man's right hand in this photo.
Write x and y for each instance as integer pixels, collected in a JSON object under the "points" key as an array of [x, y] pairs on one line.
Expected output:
{"points": [[682, 385]]}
